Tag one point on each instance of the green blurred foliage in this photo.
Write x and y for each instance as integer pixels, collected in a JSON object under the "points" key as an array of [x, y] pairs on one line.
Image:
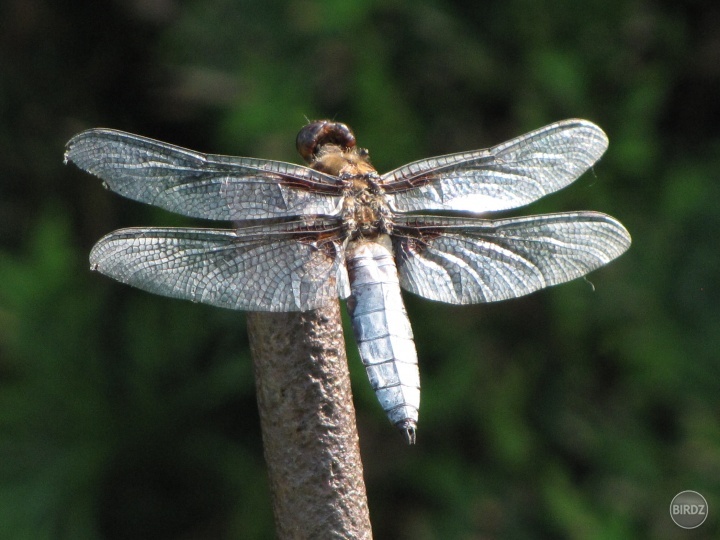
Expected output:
{"points": [[577, 412]]}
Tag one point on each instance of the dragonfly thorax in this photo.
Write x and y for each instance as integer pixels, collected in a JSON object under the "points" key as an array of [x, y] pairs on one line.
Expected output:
{"points": [[365, 210]]}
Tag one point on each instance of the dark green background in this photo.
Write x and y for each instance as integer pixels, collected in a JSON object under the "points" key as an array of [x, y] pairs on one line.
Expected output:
{"points": [[570, 413]]}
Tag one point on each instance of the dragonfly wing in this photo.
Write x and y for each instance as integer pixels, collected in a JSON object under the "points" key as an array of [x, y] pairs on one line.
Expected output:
{"points": [[509, 175], [467, 261], [261, 268], [202, 185]]}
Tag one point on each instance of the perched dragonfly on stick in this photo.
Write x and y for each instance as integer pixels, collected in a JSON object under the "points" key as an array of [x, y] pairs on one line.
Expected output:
{"points": [[307, 234]]}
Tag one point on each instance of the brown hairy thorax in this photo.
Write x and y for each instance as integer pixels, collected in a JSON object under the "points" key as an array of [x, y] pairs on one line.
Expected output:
{"points": [[344, 163], [330, 147], [364, 207]]}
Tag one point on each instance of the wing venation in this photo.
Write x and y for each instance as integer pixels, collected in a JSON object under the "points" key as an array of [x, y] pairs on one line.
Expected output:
{"points": [[202, 185], [509, 175], [467, 261], [263, 268]]}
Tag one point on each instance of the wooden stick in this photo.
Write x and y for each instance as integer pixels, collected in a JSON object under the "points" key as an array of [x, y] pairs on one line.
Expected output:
{"points": [[308, 425]]}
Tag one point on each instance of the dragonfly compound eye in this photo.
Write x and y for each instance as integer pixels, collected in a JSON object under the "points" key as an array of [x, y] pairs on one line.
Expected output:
{"points": [[321, 132]]}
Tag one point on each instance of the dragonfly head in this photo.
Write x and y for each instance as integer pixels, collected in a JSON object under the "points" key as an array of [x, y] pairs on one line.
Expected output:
{"points": [[316, 134]]}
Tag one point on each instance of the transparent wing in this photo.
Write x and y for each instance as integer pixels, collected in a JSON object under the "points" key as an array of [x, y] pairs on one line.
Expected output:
{"points": [[202, 185], [467, 261], [280, 267], [509, 175]]}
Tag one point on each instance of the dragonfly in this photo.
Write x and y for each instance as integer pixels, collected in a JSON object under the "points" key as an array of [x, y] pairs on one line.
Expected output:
{"points": [[304, 235]]}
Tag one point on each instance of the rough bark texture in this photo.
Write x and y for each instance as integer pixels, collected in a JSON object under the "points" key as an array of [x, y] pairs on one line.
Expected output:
{"points": [[308, 424]]}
